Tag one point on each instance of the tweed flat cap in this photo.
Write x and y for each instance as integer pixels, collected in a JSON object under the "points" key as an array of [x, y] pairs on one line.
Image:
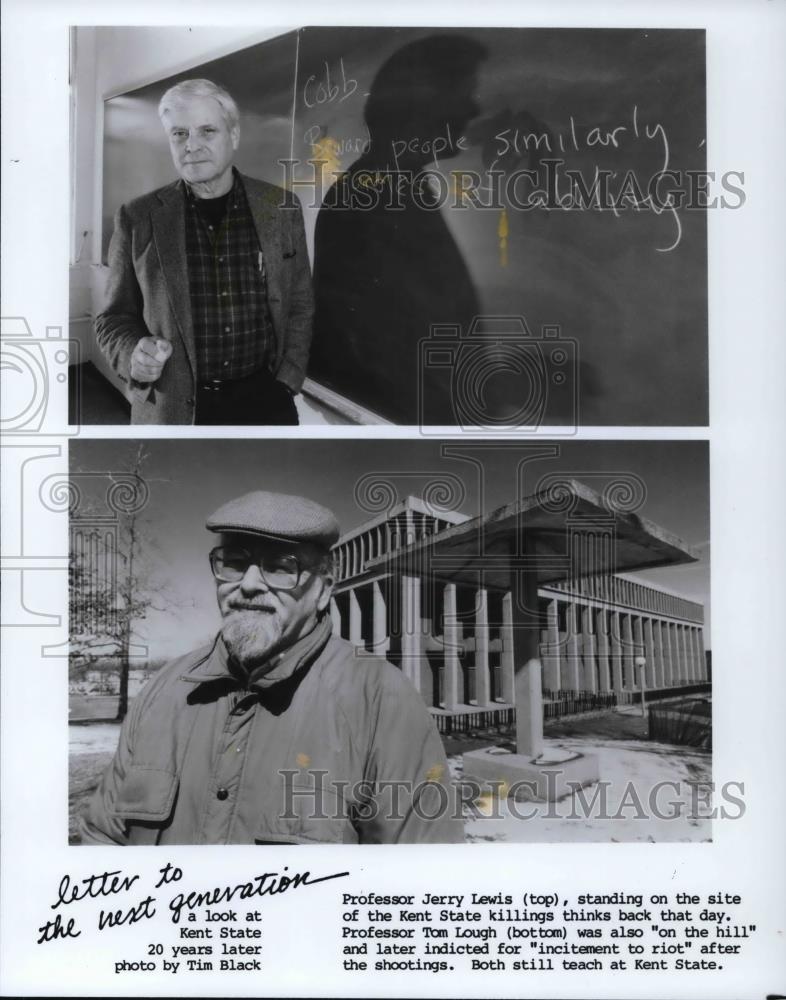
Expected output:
{"points": [[277, 515]]}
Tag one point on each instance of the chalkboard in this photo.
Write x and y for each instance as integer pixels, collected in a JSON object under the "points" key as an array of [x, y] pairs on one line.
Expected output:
{"points": [[605, 306]]}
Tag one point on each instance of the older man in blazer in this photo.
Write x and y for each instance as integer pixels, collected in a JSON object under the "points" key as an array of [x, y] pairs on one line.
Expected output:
{"points": [[209, 304]]}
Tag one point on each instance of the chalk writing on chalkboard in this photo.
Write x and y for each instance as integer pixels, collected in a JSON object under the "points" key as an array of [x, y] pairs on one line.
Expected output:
{"points": [[477, 173], [450, 175]]}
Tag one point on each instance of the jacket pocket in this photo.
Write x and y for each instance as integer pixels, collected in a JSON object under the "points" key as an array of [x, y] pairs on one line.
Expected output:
{"points": [[146, 795], [307, 817]]}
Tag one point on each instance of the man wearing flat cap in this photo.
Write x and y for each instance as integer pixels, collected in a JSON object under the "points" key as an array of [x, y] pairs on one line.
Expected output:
{"points": [[278, 732]]}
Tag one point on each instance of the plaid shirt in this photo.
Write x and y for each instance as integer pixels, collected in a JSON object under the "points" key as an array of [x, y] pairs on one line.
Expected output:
{"points": [[226, 273]]}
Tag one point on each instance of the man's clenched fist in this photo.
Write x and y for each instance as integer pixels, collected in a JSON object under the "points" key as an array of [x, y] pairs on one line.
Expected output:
{"points": [[148, 359]]}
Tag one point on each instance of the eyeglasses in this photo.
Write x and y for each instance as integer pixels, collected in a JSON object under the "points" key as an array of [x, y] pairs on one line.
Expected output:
{"points": [[279, 570]]}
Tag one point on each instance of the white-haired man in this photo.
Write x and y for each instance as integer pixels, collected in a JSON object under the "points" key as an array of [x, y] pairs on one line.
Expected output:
{"points": [[209, 304]]}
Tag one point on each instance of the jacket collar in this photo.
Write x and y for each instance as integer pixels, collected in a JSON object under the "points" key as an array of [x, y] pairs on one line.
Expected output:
{"points": [[169, 234], [218, 665], [236, 191], [263, 203]]}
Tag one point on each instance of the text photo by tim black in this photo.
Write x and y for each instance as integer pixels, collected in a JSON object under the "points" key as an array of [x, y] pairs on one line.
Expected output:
{"points": [[396, 641], [486, 228]]}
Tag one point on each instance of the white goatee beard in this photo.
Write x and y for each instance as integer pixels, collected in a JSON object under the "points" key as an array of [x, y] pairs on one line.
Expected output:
{"points": [[251, 636]]}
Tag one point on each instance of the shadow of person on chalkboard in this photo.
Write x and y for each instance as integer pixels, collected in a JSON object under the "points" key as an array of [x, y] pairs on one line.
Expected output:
{"points": [[386, 265]]}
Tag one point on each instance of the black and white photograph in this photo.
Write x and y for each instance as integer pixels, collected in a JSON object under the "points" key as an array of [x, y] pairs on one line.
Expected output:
{"points": [[543, 636], [391, 432], [469, 227]]}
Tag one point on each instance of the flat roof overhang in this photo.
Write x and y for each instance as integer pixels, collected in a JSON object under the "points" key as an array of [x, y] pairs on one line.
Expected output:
{"points": [[561, 534]]}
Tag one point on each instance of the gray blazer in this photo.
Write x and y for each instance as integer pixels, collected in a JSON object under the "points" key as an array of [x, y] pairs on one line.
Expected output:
{"points": [[147, 295]]}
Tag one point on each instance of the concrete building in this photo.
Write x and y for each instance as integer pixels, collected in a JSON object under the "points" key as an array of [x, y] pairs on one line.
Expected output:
{"points": [[454, 637]]}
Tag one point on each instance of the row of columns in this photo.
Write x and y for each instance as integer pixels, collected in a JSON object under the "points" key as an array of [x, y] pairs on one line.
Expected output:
{"points": [[597, 650], [396, 532], [582, 648], [380, 641]]}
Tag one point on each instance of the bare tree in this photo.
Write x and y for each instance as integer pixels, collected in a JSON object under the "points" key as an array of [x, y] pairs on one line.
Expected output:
{"points": [[110, 576], [133, 605]]}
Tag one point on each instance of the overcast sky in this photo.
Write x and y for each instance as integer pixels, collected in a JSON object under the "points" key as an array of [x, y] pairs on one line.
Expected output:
{"points": [[188, 479]]}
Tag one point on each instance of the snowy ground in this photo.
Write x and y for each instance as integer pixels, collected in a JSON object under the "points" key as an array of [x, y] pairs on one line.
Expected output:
{"points": [[649, 792], [100, 737], [639, 781]]}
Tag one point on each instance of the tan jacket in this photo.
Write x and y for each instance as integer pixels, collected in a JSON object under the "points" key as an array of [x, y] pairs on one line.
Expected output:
{"points": [[147, 295], [312, 752]]}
